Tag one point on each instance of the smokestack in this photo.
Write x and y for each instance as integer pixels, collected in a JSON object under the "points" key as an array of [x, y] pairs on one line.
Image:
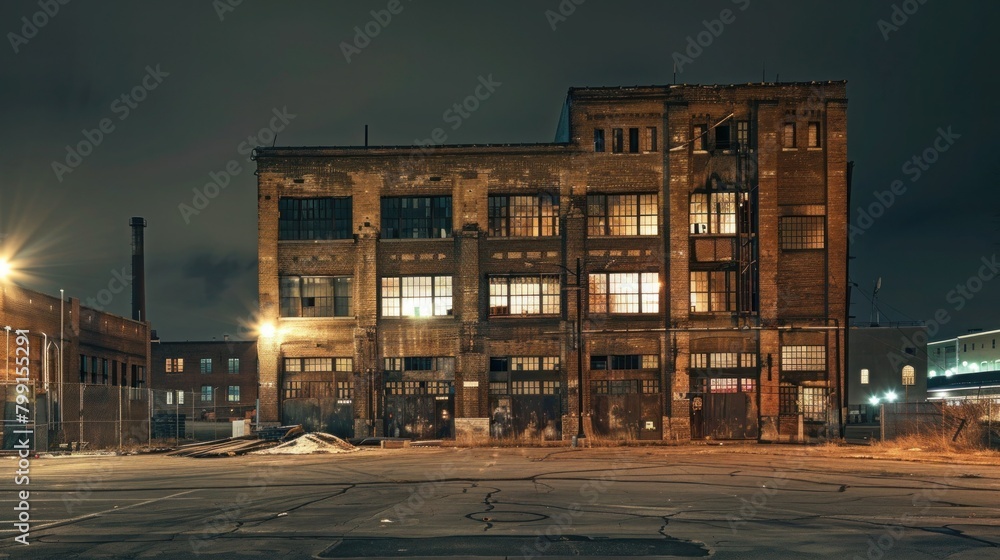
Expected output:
{"points": [[138, 270]]}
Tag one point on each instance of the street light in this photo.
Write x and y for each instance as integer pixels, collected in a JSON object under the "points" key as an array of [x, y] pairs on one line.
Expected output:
{"points": [[5, 268]]}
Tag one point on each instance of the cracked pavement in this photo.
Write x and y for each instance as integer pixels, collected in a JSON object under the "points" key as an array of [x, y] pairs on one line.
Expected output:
{"points": [[649, 502]]}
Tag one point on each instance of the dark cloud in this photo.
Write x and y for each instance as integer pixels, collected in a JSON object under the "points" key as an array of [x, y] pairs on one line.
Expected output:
{"points": [[226, 76]]}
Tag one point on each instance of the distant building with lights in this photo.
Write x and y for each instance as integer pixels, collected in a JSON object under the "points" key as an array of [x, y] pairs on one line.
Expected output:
{"points": [[431, 291], [963, 367], [215, 379], [886, 364]]}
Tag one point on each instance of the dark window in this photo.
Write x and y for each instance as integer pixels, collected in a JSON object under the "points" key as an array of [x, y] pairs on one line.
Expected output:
{"points": [[802, 232], [598, 139], [617, 140], [418, 364], [598, 362], [417, 217], [83, 368], [205, 365], [723, 140], [498, 364], [316, 296], [314, 218], [524, 216], [633, 140], [234, 365], [524, 295], [651, 139], [625, 214], [630, 361]]}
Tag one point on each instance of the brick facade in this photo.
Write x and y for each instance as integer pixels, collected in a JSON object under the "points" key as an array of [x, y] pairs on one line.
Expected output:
{"points": [[794, 297]]}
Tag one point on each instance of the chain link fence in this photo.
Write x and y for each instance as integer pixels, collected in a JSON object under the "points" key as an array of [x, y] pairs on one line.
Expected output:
{"points": [[73, 417], [972, 421]]}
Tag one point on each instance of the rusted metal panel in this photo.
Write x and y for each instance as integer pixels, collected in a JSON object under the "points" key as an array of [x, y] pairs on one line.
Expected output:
{"points": [[526, 417], [330, 415]]}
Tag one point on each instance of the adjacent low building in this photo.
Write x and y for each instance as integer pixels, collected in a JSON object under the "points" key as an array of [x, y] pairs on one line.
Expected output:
{"points": [[98, 356], [966, 367], [672, 267], [885, 364]]}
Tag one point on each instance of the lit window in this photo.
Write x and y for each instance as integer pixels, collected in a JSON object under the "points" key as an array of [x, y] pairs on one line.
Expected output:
{"points": [[713, 213], [316, 296], [317, 364], [864, 376], [814, 141], [180, 397], [234, 365], [650, 386], [206, 393], [909, 374], [743, 134], [624, 292], [812, 403], [713, 290], [416, 296], [617, 140], [803, 358], [524, 363], [650, 361], [626, 214], [524, 216], [416, 217], [598, 140], [345, 390], [788, 136], [175, 365], [343, 364], [802, 232], [293, 364], [314, 218], [170, 397], [524, 295], [233, 393], [205, 365], [698, 137]]}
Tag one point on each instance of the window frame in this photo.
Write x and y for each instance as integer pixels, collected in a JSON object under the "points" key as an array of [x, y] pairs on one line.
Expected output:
{"points": [[299, 228], [713, 295], [602, 223], [601, 299], [385, 301], [205, 365], [799, 233], [599, 143], [291, 305], [617, 141], [502, 213], [789, 136], [437, 223], [544, 301]]}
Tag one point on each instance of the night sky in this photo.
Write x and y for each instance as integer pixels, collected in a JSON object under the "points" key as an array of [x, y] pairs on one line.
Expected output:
{"points": [[210, 76]]}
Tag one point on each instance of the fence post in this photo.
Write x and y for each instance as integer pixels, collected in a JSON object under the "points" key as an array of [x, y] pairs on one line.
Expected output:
{"points": [[119, 418], [149, 426], [79, 442]]}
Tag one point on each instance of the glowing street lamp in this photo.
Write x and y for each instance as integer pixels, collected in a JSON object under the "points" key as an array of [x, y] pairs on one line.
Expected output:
{"points": [[5, 268], [267, 330], [873, 400], [890, 396]]}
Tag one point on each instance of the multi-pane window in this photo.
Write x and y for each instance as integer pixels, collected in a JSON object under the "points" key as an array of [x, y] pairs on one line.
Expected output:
{"points": [[649, 386], [864, 376], [317, 364], [416, 217], [803, 358], [633, 140], [174, 365], [699, 133], [743, 133], [343, 364], [812, 403], [233, 365], [416, 296], [316, 296], [624, 292], [598, 139], [325, 365], [314, 218], [713, 290], [723, 360], [524, 295], [617, 140], [802, 232], [788, 135], [814, 140], [345, 390], [524, 216], [294, 389], [713, 213], [524, 363], [233, 393], [624, 361], [623, 214], [731, 385], [421, 363], [206, 393], [205, 365], [909, 374]]}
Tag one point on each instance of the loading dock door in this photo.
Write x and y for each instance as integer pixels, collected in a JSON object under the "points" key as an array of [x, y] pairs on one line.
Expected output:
{"points": [[420, 409], [622, 412]]}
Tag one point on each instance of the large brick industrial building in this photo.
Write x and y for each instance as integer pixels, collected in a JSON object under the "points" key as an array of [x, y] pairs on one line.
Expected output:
{"points": [[433, 291]]}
